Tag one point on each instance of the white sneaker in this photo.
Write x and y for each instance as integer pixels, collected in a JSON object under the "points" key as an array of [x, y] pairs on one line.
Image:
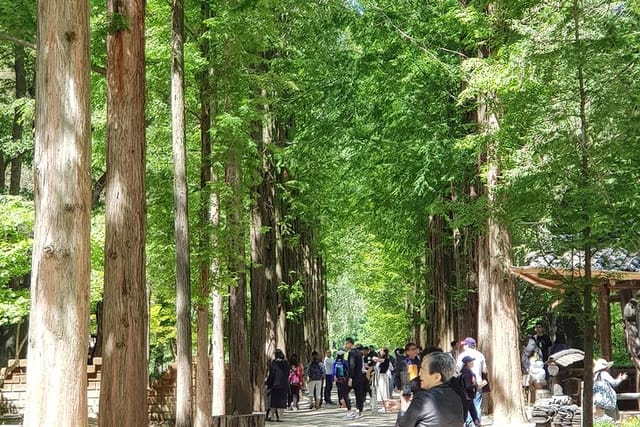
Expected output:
{"points": [[349, 416]]}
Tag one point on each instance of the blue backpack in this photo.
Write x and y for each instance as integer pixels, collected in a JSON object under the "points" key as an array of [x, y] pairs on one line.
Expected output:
{"points": [[341, 374]]}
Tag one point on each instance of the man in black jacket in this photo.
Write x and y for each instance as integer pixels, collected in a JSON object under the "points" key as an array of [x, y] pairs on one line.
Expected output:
{"points": [[436, 403], [357, 380]]}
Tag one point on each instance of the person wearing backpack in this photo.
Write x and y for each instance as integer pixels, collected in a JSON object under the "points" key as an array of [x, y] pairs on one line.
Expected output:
{"points": [[340, 372], [296, 375], [315, 370]]}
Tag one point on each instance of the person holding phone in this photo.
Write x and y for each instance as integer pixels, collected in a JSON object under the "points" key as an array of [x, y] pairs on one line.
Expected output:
{"points": [[435, 404]]}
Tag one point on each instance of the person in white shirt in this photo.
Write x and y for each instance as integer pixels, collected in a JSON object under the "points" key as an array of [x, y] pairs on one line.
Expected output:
{"points": [[479, 368], [328, 379]]}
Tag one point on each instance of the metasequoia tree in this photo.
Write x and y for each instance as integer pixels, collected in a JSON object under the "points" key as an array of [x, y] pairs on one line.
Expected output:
{"points": [[207, 217], [16, 134], [181, 221], [497, 298], [59, 328], [123, 395], [263, 259]]}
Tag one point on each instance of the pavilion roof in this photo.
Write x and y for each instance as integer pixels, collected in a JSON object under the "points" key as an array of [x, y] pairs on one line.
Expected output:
{"points": [[618, 268]]}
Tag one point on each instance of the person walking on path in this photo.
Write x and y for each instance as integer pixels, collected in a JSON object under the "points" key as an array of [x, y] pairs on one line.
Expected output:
{"points": [[328, 378], [382, 367], [277, 385], [340, 372], [479, 368], [296, 381], [315, 369], [357, 380], [470, 387]]}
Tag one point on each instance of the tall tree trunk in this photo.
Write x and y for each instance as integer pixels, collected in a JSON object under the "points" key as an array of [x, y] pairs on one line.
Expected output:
{"points": [[262, 262], [274, 294], [203, 391], [497, 312], [585, 178], [503, 354], [238, 340], [123, 395], [59, 326], [184, 388], [16, 134], [219, 390], [3, 170], [441, 331]]}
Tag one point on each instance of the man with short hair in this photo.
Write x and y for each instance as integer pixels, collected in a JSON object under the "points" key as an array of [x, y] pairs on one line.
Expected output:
{"points": [[412, 363], [542, 340], [357, 380], [436, 404], [328, 378], [479, 368]]}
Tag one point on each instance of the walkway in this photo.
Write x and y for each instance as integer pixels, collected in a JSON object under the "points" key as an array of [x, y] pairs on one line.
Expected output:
{"points": [[332, 416]]}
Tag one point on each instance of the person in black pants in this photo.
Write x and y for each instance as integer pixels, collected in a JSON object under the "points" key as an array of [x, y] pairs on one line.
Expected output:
{"points": [[328, 377], [357, 380]]}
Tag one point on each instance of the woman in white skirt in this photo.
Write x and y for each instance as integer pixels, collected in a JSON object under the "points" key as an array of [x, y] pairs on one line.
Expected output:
{"points": [[382, 386]]}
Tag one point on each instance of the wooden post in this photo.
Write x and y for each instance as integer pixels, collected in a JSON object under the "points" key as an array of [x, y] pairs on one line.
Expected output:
{"points": [[604, 321]]}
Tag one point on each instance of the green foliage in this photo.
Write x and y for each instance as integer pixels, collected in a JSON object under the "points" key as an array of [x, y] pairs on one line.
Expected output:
{"points": [[117, 22], [631, 422], [16, 227]]}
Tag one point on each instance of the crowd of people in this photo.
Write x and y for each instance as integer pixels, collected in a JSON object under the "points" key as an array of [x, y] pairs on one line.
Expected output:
{"points": [[436, 387], [536, 367]]}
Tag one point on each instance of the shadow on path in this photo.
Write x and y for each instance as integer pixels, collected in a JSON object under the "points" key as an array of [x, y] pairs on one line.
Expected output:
{"points": [[331, 416]]}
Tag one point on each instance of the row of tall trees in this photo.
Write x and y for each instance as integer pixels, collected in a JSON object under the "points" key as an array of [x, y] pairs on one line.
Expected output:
{"points": [[239, 127], [380, 163]]}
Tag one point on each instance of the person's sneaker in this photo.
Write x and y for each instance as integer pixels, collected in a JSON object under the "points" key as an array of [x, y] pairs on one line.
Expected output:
{"points": [[349, 416]]}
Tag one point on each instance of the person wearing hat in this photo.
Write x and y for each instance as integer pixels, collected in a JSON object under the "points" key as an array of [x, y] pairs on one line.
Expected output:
{"points": [[470, 387], [604, 396], [479, 367]]}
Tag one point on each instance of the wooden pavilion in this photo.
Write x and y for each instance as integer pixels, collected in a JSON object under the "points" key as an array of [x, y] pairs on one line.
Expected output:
{"points": [[611, 286]]}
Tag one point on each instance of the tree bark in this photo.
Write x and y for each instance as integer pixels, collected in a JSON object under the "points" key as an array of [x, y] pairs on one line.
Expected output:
{"points": [[16, 134], [238, 340], [203, 408], [123, 396], [262, 263], [441, 331], [503, 354], [59, 326], [181, 222]]}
